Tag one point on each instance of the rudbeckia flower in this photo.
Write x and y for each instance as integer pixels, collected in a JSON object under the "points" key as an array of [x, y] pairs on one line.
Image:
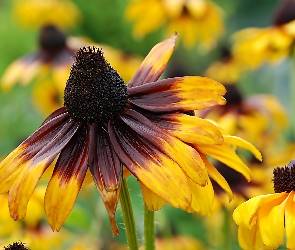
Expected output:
{"points": [[38, 13], [195, 20], [227, 70], [105, 125], [252, 118], [264, 221], [254, 46]]}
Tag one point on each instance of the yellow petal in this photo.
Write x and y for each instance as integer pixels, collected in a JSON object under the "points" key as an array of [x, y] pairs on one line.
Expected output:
{"points": [[216, 176], [249, 238], [245, 213], [271, 222], [202, 198], [190, 129], [23, 187], [237, 141], [289, 221], [226, 155], [59, 200], [12, 75], [152, 201]]}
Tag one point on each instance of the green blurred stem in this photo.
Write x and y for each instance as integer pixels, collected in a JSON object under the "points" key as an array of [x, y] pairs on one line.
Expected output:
{"points": [[227, 235], [149, 229], [128, 216]]}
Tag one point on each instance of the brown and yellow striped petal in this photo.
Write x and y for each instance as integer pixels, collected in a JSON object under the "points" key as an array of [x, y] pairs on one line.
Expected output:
{"points": [[190, 129], [13, 164], [152, 201], [184, 155], [67, 179], [179, 94], [106, 170], [27, 179], [226, 155], [158, 172], [154, 64]]}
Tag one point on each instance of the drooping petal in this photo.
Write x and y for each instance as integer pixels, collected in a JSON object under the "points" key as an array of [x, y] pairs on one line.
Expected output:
{"points": [[150, 165], [179, 94], [237, 141], [190, 129], [216, 176], [26, 181], [289, 221], [185, 156], [152, 201], [66, 180], [106, 170], [202, 198], [13, 164], [226, 155], [271, 222], [54, 114], [154, 64], [245, 213]]}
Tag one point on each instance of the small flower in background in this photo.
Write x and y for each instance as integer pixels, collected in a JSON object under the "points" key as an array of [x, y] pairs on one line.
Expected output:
{"points": [[254, 46], [264, 221], [195, 20], [227, 70], [179, 242], [38, 13], [49, 67], [252, 118]]}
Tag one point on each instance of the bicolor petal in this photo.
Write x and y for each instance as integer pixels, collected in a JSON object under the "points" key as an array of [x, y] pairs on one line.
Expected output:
{"points": [[106, 170], [25, 183], [154, 63], [190, 129], [150, 165], [67, 179], [178, 94], [185, 156]]}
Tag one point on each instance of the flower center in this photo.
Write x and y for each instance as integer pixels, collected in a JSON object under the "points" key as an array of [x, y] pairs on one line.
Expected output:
{"points": [[285, 12], [94, 92], [52, 39], [284, 178]]}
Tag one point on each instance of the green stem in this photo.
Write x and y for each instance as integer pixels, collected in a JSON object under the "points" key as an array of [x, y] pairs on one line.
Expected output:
{"points": [[227, 235], [149, 229], [128, 216]]}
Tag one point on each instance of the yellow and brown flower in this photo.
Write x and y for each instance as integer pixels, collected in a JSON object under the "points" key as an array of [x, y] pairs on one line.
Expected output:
{"points": [[145, 127]]}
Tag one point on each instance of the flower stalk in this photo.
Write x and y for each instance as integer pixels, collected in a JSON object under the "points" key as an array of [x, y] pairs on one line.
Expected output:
{"points": [[128, 216], [149, 229]]}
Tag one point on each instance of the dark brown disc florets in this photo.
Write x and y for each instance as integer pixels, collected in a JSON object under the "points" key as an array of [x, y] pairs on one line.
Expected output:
{"points": [[94, 92], [284, 178], [16, 246], [285, 12]]}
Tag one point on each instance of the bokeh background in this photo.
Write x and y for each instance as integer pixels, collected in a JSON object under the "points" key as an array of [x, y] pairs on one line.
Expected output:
{"points": [[29, 92]]}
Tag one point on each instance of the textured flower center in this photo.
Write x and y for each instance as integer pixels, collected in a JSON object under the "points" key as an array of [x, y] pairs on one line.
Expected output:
{"points": [[94, 92], [284, 178]]}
